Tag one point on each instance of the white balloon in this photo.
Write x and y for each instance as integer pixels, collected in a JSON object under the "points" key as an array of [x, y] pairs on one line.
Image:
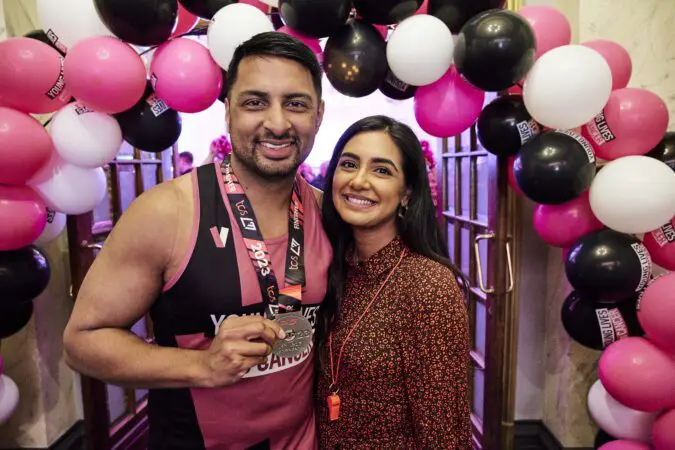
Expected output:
{"points": [[634, 194], [84, 137], [68, 21], [617, 419], [567, 87], [272, 3], [419, 51], [69, 189], [9, 398], [56, 223], [233, 25]]}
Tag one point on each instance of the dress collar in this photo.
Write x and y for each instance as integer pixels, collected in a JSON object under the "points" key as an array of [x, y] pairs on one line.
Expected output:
{"points": [[382, 261]]}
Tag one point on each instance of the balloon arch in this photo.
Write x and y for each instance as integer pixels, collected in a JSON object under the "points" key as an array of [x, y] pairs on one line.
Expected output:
{"points": [[563, 107]]}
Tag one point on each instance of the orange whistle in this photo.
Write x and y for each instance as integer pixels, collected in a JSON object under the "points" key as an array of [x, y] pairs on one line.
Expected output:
{"points": [[333, 402]]}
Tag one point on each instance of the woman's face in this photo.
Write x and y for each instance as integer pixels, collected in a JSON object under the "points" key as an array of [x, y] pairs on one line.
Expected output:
{"points": [[369, 185]]}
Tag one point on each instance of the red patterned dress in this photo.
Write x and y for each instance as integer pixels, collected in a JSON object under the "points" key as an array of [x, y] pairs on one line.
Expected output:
{"points": [[403, 373]]}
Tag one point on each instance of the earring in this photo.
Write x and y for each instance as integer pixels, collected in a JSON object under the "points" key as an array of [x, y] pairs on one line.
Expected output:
{"points": [[402, 210]]}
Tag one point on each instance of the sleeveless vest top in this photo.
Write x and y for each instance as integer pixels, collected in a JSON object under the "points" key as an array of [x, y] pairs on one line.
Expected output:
{"points": [[271, 407]]}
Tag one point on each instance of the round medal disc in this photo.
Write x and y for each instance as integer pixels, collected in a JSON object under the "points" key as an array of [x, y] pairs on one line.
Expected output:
{"points": [[298, 335]]}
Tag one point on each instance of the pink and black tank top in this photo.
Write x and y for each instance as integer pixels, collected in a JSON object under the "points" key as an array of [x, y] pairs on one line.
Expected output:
{"points": [[272, 406]]}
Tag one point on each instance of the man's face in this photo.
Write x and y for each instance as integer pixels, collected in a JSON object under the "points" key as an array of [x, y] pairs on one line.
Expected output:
{"points": [[273, 115]]}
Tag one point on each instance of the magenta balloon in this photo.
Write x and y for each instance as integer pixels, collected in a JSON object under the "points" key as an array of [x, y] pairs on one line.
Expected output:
{"points": [[24, 217], [618, 59], [632, 123], [664, 431], [562, 225], [185, 76], [638, 374], [551, 27], [31, 79], [625, 445], [661, 246], [105, 74], [656, 311], [311, 42], [448, 106], [25, 146]]}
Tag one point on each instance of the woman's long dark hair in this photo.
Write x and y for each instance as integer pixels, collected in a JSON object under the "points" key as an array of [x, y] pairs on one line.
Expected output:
{"points": [[418, 227]]}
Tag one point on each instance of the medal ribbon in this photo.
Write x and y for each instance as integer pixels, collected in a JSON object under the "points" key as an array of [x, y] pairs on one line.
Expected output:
{"points": [[333, 400], [288, 299]]}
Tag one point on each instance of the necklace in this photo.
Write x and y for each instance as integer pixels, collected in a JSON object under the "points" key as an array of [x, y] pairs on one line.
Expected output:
{"points": [[333, 400]]}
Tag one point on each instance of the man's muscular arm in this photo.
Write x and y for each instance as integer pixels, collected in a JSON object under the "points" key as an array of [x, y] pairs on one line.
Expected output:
{"points": [[119, 289]]}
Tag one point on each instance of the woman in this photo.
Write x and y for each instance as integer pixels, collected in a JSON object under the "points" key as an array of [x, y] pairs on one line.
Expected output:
{"points": [[393, 332]]}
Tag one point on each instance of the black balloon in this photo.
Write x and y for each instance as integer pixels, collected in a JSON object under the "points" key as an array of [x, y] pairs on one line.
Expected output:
{"points": [[554, 167], [495, 50], [315, 18], [355, 59], [505, 125], [455, 13], [205, 8], [150, 125], [24, 274], [665, 150], [41, 36], [596, 325], [139, 22], [608, 266], [14, 318], [396, 89], [601, 438], [386, 12]]}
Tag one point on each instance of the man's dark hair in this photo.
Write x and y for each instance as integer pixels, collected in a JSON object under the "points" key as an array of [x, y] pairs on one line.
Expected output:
{"points": [[188, 156], [279, 45]]}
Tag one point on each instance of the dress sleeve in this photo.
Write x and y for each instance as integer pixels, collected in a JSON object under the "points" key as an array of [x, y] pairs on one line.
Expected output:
{"points": [[435, 349]]}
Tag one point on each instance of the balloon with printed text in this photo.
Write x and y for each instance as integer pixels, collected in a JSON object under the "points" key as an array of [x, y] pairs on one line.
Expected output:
{"points": [[555, 167], [504, 126], [608, 266]]}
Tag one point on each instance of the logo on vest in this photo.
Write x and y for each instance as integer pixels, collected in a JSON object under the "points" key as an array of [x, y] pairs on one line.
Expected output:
{"points": [[220, 237]]}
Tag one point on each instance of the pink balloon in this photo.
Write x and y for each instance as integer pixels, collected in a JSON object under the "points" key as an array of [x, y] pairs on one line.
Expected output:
{"points": [[625, 445], [664, 431], [185, 23], [656, 311], [638, 374], [185, 76], [551, 27], [383, 30], [24, 217], [661, 245], [632, 122], [618, 59], [105, 74], [424, 9], [258, 4], [448, 106], [311, 42], [25, 146], [31, 79], [562, 225]]}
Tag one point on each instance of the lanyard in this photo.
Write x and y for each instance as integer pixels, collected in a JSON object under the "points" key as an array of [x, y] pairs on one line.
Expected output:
{"points": [[288, 299], [333, 400]]}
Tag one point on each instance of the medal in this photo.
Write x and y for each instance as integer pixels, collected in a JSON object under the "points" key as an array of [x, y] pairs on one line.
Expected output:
{"points": [[298, 335]]}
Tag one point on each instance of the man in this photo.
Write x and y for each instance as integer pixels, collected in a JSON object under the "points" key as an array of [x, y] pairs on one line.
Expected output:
{"points": [[187, 253], [185, 163]]}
